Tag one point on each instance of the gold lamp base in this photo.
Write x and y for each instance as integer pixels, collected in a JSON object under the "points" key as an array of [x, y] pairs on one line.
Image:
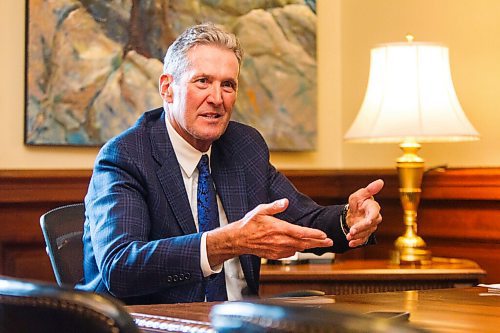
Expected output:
{"points": [[410, 248]]}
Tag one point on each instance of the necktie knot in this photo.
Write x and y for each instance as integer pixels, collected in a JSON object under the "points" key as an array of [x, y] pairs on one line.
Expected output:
{"points": [[202, 166]]}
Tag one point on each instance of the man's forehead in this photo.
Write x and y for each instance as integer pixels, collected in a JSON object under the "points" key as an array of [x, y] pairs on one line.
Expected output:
{"points": [[202, 57], [201, 50]]}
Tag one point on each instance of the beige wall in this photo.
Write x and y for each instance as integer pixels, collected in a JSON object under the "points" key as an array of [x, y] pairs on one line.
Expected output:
{"points": [[471, 30], [347, 29]]}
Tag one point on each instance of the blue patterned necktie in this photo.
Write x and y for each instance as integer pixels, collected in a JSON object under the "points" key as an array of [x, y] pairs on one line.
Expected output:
{"points": [[208, 219]]}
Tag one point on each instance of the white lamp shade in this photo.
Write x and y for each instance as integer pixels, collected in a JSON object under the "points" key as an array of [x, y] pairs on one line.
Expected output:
{"points": [[410, 95]]}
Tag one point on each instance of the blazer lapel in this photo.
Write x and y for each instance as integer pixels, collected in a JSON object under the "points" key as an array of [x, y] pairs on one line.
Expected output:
{"points": [[170, 177], [229, 179]]}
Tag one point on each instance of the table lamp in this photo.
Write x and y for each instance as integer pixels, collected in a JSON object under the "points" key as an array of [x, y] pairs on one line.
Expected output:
{"points": [[410, 99]]}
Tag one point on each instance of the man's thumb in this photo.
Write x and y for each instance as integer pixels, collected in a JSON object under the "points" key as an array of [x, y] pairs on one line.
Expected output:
{"points": [[274, 207], [375, 186]]}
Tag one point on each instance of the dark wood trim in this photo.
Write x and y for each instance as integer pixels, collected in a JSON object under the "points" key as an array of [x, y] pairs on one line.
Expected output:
{"points": [[463, 184], [458, 215], [23, 186], [466, 184]]}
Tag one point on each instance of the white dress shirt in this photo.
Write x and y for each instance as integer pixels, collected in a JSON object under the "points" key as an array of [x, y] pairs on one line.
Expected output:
{"points": [[188, 158]]}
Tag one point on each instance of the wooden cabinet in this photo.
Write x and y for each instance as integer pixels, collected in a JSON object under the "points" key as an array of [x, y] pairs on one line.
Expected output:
{"points": [[368, 276]]}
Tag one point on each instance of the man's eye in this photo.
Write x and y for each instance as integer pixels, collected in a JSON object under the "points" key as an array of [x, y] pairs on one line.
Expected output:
{"points": [[228, 85], [202, 82]]}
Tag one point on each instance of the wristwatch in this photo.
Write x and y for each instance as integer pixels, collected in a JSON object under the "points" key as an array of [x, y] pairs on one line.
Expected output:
{"points": [[343, 219]]}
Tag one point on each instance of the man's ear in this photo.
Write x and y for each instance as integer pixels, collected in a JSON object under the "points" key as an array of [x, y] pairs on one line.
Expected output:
{"points": [[165, 87]]}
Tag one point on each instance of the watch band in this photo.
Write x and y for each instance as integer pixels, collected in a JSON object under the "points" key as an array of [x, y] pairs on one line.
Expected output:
{"points": [[343, 219]]}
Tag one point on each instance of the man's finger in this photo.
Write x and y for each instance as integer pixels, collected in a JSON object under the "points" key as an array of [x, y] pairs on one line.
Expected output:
{"points": [[314, 243], [357, 242], [272, 208], [361, 233], [301, 233], [375, 186], [365, 193]]}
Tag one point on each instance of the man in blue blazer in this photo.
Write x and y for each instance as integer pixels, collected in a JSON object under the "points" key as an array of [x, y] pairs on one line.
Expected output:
{"points": [[142, 240]]}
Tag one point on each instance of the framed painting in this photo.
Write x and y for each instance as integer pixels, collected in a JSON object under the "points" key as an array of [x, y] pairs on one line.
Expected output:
{"points": [[92, 66]]}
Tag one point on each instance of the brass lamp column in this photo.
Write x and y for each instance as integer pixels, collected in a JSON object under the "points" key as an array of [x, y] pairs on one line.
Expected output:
{"points": [[410, 248]]}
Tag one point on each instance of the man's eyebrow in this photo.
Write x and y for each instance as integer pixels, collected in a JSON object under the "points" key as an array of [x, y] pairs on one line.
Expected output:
{"points": [[198, 75], [211, 77]]}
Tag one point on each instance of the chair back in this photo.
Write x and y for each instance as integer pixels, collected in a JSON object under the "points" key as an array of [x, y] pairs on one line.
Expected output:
{"points": [[29, 306], [62, 229]]}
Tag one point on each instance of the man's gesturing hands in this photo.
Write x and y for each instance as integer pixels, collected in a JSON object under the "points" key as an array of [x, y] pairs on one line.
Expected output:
{"points": [[363, 215], [262, 234], [269, 237]]}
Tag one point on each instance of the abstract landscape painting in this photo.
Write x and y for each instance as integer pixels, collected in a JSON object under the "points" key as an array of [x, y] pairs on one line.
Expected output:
{"points": [[92, 66]]}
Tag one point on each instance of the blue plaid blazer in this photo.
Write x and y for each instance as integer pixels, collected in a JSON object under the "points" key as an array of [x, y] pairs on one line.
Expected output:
{"points": [[140, 240]]}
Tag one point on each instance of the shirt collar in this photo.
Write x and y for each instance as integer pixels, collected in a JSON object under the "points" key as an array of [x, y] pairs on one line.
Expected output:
{"points": [[187, 156]]}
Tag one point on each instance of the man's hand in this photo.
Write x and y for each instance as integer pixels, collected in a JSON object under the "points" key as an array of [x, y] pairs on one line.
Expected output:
{"points": [[262, 234], [363, 215]]}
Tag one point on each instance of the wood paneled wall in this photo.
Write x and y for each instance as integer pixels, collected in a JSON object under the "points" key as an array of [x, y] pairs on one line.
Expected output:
{"points": [[459, 214]]}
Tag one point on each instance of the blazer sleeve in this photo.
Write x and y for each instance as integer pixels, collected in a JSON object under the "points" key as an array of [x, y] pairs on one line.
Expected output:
{"points": [[304, 211], [119, 227], [266, 184]]}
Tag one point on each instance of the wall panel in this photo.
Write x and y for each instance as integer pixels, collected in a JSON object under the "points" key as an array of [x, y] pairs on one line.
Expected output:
{"points": [[459, 214]]}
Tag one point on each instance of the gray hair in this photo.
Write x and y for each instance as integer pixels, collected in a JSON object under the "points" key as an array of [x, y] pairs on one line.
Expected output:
{"points": [[176, 61]]}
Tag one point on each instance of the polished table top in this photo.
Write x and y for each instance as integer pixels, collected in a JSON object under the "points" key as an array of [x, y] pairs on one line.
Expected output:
{"points": [[439, 310]]}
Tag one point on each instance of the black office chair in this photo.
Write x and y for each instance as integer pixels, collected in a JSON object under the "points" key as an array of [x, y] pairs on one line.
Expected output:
{"points": [[62, 229], [29, 306]]}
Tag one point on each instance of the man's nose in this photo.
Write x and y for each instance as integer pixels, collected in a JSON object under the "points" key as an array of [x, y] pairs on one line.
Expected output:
{"points": [[215, 96]]}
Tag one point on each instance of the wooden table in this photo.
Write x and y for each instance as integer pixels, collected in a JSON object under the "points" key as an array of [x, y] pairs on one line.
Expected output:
{"points": [[365, 276], [471, 309]]}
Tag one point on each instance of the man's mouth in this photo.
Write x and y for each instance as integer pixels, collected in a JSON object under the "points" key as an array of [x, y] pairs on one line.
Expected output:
{"points": [[211, 115]]}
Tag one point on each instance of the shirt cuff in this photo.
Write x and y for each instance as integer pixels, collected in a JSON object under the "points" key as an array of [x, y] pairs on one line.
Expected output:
{"points": [[205, 265]]}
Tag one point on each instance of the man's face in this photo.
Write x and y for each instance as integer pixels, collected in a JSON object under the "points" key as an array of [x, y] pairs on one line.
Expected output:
{"points": [[199, 103]]}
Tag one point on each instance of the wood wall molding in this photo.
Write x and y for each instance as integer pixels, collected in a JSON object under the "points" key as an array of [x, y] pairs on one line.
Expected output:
{"points": [[463, 184], [467, 184], [459, 214], [22, 186]]}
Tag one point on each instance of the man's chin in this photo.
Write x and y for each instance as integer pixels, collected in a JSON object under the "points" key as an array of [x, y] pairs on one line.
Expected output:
{"points": [[210, 136]]}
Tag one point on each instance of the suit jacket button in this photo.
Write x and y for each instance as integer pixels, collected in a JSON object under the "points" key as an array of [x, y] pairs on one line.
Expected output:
{"points": [[181, 277], [176, 278], [188, 276], [169, 278]]}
